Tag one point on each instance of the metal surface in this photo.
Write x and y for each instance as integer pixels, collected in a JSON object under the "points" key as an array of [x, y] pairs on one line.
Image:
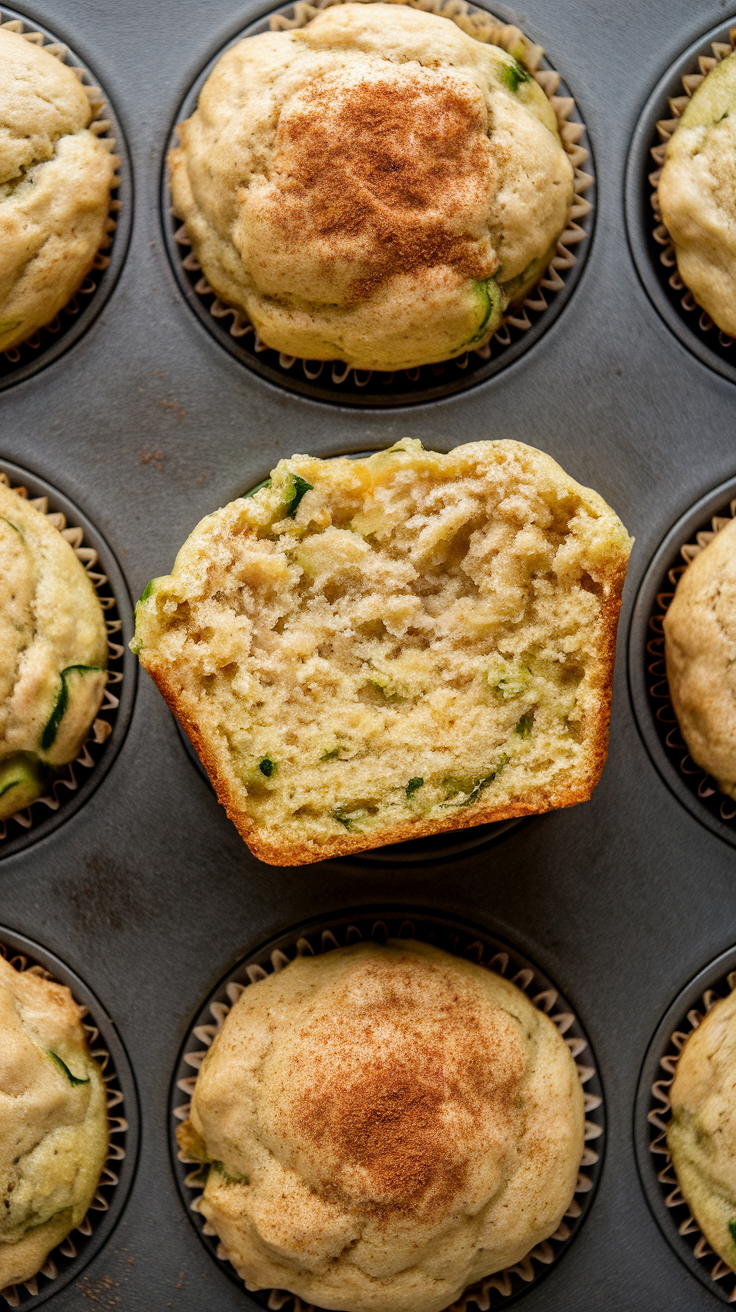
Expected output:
{"points": [[463, 940], [147, 424]]}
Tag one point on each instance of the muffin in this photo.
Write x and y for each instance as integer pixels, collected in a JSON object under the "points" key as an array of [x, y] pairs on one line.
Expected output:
{"points": [[367, 651], [384, 1126], [53, 1112], [55, 180], [700, 652], [697, 194], [53, 653], [376, 187], [701, 1136]]}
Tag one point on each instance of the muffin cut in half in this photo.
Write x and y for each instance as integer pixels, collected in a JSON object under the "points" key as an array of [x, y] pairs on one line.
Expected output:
{"points": [[701, 1136], [53, 653], [376, 187], [697, 194], [55, 181], [53, 1113], [367, 651], [700, 653], [385, 1126]]}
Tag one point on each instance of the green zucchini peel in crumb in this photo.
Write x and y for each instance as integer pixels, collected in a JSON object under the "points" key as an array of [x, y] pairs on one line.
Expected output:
{"points": [[267, 767], [74, 1080], [265, 482], [51, 728], [514, 75], [732, 1228], [413, 785], [299, 487], [478, 788], [524, 725]]}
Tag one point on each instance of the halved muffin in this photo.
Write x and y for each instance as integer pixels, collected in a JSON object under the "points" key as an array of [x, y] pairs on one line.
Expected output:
{"points": [[367, 651]]}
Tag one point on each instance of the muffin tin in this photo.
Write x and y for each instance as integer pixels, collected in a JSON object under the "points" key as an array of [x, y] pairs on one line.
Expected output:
{"points": [[146, 424]]}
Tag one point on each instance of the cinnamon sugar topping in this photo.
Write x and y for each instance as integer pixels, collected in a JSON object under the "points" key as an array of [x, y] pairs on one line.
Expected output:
{"points": [[391, 170]]}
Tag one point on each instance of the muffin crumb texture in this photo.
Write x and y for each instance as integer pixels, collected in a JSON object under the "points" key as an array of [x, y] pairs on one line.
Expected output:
{"points": [[375, 187], [55, 180], [53, 1114], [697, 194], [53, 652], [385, 1126], [700, 651], [372, 650], [701, 1136]]}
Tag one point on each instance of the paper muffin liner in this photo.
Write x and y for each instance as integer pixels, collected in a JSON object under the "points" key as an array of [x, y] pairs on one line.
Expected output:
{"points": [[68, 780], [663, 1189], [67, 1260], [102, 127], [701, 785], [665, 128], [460, 940], [483, 26]]}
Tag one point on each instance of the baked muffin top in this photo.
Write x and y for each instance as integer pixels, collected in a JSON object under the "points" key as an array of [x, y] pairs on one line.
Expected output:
{"points": [[53, 1121], [700, 651], [697, 194], [701, 1136], [386, 1125], [53, 651], [55, 178], [374, 187], [373, 650]]}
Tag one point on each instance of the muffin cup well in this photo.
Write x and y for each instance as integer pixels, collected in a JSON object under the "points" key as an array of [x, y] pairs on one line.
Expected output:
{"points": [[77, 781], [67, 1261], [461, 940], [68, 325], [522, 326], [648, 686], [650, 242], [653, 1111]]}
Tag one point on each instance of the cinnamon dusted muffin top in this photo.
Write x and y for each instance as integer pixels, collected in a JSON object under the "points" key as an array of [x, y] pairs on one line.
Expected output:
{"points": [[386, 1125], [375, 187]]}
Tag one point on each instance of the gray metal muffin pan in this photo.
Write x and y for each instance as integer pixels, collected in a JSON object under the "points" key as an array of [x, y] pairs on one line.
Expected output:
{"points": [[146, 423]]}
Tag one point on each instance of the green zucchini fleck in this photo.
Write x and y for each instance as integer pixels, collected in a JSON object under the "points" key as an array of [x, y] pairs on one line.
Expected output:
{"points": [[732, 1228], [524, 725], [74, 1080], [332, 755], [479, 786], [413, 785], [51, 728], [300, 486], [266, 482], [514, 75], [349, 818], [146, 593], [7, 325], [267, 767]]}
